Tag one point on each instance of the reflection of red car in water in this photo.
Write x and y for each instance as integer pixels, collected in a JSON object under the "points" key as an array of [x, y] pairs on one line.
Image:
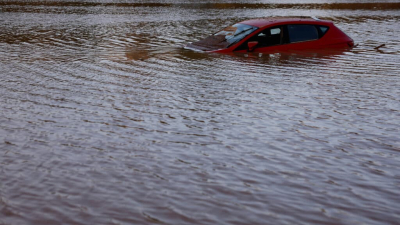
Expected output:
{"points": [[275, 34]]}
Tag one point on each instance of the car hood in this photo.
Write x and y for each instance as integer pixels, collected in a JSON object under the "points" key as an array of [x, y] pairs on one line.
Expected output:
{"points": [[210, 43]]}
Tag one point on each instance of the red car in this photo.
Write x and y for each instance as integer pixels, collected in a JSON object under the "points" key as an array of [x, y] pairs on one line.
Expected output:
{"points": [[275, 34]]}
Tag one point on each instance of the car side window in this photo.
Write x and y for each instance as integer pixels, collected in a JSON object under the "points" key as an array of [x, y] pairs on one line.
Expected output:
{"points": [[322, 30], [302, 32], [269, 37]]}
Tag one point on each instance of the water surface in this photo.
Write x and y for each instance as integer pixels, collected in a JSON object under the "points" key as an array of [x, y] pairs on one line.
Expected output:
{"points": [[106, 119]]}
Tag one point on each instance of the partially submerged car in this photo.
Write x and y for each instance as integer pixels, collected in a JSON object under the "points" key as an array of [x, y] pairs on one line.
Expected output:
{"points": [[275, 34]]}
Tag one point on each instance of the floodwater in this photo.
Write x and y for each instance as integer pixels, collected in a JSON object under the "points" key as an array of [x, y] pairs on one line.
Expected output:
{"points": [[106, 119]]}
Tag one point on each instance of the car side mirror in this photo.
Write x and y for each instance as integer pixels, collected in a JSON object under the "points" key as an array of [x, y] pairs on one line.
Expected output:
{"points": [[252, 45]]}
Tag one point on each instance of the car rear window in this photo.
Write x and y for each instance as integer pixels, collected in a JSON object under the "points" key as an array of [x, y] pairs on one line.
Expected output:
{"points": [[302, 32]]}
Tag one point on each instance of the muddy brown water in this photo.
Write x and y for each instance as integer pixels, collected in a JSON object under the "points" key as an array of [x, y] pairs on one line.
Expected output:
{"points": [[106, 119]]}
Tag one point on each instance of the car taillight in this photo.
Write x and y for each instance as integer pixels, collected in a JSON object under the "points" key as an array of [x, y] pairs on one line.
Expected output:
{"points": [[350, 43]]}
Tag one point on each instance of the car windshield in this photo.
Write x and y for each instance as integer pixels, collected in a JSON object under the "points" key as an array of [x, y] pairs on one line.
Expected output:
{"points": [[236, 32], [224, 38]]}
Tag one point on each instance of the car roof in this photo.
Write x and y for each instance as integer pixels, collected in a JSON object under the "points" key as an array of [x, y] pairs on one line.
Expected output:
{"points": [[263, 22]]}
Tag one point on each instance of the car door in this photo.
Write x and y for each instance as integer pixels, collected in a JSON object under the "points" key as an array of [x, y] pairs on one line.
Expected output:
{"points": [[303, 36], [269, 39], [285, 38]]}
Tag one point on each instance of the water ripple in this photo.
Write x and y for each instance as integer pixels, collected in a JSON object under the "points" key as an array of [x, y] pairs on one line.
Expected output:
{"points": [[105, 118]]}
